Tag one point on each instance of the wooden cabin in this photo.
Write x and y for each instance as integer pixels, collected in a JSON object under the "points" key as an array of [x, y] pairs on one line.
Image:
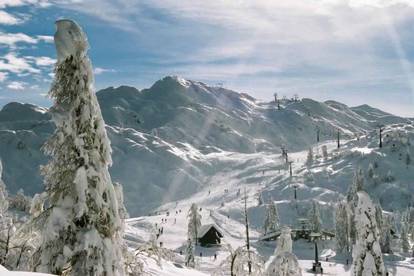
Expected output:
{"points": [[209, 235]]}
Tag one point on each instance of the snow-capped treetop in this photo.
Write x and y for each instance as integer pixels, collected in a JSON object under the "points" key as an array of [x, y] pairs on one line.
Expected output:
{"points": [[70, 40], [356, 186], [194, 223], [342, 227], [284, 242], [271, 223], [367, 256], [315, 217], [284, 262]]}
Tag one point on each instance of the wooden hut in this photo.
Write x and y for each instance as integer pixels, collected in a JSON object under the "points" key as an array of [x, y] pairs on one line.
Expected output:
{"points": [[209, 235]]}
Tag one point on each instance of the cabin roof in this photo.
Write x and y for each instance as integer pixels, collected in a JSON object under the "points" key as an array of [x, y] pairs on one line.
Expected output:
{"points": [[205, 228]]}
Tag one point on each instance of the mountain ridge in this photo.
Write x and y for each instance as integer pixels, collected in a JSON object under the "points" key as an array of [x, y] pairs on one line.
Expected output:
{"points": [[170, 134]]}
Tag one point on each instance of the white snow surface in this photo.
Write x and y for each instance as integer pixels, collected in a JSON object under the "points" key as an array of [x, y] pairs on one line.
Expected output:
{"points": [[324, 180], [5, 272], [69, 39]]}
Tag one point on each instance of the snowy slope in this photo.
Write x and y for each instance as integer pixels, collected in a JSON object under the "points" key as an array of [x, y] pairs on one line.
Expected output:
{"points": [[173, 139], [376, 115], [325, 180], [5, 272]]}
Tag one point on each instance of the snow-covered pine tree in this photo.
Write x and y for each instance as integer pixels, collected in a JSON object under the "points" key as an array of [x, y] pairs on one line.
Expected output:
{"points": [[385, 241], [81, 234], [119, 192], [271, 223], [259, 199], [384, 226], [352, 200], [284, 262], [378, 216], [284, 242], [309, 158], [315, 217], [371, 172], [405, 244], [325, 152], [189, 254], [356, 186], [342, 228], [412, 232], [194, 223], [367, 256]]}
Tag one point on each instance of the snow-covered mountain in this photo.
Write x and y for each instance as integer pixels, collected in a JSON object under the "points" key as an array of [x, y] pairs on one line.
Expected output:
{"points": [[179, 137]]}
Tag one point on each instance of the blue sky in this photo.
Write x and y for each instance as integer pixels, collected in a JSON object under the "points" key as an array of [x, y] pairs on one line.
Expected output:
{"points": [[353, 51]]}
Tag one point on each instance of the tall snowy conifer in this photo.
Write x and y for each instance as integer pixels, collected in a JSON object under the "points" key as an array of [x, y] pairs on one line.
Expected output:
{"points": [[342, 227], [271, 222], [315, 217], [367, 256], [194, 223], [405, 245], [352, 200], [189, 254], [386, 237], [81, 234], [384, 225], [309, 158], [284, 262]]}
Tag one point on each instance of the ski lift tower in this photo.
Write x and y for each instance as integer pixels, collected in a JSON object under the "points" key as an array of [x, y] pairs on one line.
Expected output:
{"points": [[381, 129], [316, 266], [318, 132], [295, 190]]}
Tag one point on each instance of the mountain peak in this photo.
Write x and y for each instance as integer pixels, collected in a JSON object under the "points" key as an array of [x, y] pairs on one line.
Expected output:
{"points": [[173, 79], [16, 111]]}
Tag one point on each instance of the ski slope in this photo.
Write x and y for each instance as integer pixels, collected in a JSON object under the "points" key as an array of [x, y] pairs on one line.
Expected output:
{"points": [[221, 200]]}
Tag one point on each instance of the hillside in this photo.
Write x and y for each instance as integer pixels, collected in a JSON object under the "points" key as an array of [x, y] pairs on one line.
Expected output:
{"points": [[178, 137], [264, 177]]}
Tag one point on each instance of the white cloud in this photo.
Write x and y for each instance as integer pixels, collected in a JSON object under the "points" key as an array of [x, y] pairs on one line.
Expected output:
{"points": [[19, 3], [14, 64], [8, 19], [43, 61], [99, 70], [3, 76], [16, 85], [45, 38], [12, 39]]}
